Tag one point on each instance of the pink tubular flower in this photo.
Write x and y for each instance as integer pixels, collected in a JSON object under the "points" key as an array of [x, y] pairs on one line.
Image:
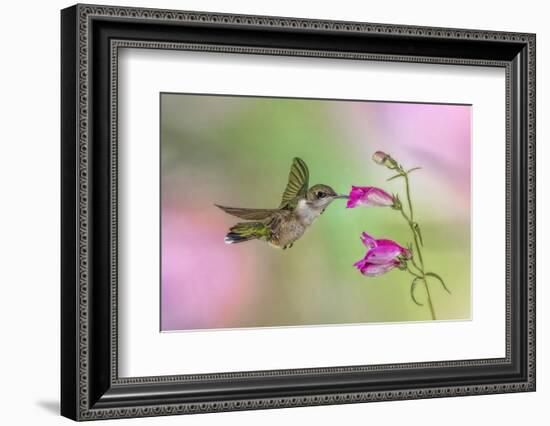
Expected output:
{"points": [[369, 196], [382, 256]]}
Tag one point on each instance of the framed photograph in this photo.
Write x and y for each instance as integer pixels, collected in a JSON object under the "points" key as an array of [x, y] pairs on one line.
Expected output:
{"points": [[263, 212]]}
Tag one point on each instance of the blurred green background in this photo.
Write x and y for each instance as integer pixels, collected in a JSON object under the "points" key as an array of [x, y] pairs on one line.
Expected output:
{"points": [[237, 151]]}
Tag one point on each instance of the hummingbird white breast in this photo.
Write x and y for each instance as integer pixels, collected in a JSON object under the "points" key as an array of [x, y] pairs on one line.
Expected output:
{"points": [[306, 212]]}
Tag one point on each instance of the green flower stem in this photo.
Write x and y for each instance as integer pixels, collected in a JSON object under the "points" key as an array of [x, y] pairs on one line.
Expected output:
{"points": [[415, 265], [415, 237], [418, 251], [406, 176], [429, 299]]}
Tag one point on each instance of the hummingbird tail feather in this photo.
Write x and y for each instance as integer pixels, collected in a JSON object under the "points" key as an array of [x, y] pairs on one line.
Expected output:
{"points": [[242, 232]]}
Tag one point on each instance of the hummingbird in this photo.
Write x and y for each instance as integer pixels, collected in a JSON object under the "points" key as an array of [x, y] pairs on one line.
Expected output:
{"points": [[281, 227]]}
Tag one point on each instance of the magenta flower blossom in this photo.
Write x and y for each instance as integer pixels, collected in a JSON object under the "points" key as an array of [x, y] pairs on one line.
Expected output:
{"points": [[369, 196], [382, 256]]}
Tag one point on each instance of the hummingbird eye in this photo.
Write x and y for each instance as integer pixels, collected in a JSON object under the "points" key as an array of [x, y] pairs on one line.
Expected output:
{"points": [[320, 194]]}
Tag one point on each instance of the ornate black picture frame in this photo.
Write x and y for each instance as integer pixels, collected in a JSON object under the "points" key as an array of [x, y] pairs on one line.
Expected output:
{"points": [[91, 36]]}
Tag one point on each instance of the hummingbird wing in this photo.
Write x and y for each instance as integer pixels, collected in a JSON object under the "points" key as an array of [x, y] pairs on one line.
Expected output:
{"points": [[298, 181], [249, 214]]}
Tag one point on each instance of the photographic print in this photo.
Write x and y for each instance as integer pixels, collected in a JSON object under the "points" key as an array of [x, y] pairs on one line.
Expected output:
{"points": [[358, 192], [283, 212]]}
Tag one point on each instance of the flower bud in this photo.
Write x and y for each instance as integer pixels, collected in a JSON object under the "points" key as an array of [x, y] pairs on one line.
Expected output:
{"points": [[384, 159]]}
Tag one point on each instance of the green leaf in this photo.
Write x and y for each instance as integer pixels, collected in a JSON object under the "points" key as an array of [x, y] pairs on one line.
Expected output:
{"points": [[413, 286], [437, 277], [394, 177], [413, 169]]}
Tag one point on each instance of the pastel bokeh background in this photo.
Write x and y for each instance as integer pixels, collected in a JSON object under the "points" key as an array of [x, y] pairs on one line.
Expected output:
{"points": [[237, 151]]}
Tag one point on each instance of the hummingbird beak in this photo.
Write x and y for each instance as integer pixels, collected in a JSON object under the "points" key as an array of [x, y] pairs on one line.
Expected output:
{"points": [[341, 196]]}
